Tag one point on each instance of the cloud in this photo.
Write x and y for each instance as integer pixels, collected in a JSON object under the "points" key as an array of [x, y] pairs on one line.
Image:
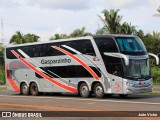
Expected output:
{"points": [[9, 3], [61, 4], [126, 4]]}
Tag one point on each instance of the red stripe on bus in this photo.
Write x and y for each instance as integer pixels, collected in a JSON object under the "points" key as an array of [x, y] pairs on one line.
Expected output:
{"points": [[79, 61], [68, 88], [11, 81]]}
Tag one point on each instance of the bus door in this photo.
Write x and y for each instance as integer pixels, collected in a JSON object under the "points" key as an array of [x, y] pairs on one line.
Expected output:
{"points": [[116, 78]]}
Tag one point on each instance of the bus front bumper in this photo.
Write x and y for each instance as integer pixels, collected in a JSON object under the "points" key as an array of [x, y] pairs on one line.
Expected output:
{"points": [[132, 90]]}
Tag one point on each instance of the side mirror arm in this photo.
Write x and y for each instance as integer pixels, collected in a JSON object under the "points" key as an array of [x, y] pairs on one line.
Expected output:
{"points": [[155, 56], [118, 55]]}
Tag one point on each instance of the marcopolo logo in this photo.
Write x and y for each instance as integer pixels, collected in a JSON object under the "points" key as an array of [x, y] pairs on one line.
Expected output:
{"points": [[58, 61]]}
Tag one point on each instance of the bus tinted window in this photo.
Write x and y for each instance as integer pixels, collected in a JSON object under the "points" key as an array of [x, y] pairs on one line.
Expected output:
{"points": [[83, 46], [106, 45], [131, 45], [42, 50], [9, 54], [68, 71], [113, 64]]}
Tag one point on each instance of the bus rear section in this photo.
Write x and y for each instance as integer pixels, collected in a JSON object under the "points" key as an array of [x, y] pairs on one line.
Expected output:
{"points": [[65, 66]]}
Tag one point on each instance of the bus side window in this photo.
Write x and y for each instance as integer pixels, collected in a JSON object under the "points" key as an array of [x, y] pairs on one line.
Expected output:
{"points": [[36, 51], [116, 69], [26, 50], [53, 51], [82, 46], [89, 48], [44, 50], [9, 54]]}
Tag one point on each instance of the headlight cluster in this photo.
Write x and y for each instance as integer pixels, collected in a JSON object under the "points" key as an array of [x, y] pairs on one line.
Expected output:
{"points": [[129, 84]]}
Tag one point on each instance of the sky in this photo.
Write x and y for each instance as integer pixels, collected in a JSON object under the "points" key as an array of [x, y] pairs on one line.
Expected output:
{"points": [[47, 17]]}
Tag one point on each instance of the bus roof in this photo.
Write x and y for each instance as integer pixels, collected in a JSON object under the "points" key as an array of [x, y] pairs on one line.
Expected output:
{"points": [[52, 41], [78, 38], [112, 35]]}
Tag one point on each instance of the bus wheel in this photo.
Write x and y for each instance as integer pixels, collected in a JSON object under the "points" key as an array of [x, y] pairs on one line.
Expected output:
{"points": [[98, 90], [123, 95], [34, 89], [84, 90], [24, 89]]}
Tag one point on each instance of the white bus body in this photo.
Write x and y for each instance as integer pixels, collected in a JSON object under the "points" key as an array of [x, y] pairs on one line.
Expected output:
{"points": [[103, 64]]}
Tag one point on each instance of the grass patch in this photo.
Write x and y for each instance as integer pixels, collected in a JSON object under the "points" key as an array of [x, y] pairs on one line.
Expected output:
{"points": [[153, 93]]}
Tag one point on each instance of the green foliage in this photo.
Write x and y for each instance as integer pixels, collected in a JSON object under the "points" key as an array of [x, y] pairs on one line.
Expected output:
{"points": [[76, 33], [102, 31], [140, 33], [111, 20], [19, 38], [155, 70], [59, 36], [152, 43], [1, 50], [112, 24], [80, 33], [31, 38], [127, 28], [2, 76]]}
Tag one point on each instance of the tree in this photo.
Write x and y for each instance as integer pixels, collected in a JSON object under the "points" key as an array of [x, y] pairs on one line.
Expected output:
{"points": [[111, 20], [19, 38], [156, 35], [102, 31], [126, 28], [59, 36], [140, 33], [31, 38], [80, 33], [1, 57]]}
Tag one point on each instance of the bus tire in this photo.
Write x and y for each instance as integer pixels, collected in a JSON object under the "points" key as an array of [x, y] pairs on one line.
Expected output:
{"points": [[84, 90], [24, 89], [123, 95], [98, 90], [34, 89]]}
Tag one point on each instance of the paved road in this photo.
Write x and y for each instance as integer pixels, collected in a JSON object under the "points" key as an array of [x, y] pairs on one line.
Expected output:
{"points": [[10, 101]]}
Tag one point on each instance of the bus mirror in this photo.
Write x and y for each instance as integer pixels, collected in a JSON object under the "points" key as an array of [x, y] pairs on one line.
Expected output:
{"points": [[156, 57], [118, 55]]}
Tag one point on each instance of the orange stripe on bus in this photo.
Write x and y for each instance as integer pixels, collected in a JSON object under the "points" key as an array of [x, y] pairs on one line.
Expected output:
{"points": [[11, 81], [68, 88], [79, 61]]}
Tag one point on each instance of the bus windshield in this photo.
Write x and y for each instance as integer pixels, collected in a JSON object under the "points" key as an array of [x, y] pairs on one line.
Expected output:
{"points": [[138, 69], [131, 45]]}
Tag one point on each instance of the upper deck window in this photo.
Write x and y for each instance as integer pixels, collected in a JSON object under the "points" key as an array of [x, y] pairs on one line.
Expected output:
{"points": [[106, 45], [131, 45]]}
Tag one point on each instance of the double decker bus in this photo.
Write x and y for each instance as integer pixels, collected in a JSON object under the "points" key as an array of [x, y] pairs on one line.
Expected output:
{"points": [[99, 65]]}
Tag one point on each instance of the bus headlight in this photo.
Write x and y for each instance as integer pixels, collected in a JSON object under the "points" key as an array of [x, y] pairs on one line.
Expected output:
{"points": [[129, 84]]}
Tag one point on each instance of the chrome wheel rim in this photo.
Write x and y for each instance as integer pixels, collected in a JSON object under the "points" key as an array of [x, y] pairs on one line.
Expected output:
{"points": [[99, 90], [84, 90], [25, 89]]}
